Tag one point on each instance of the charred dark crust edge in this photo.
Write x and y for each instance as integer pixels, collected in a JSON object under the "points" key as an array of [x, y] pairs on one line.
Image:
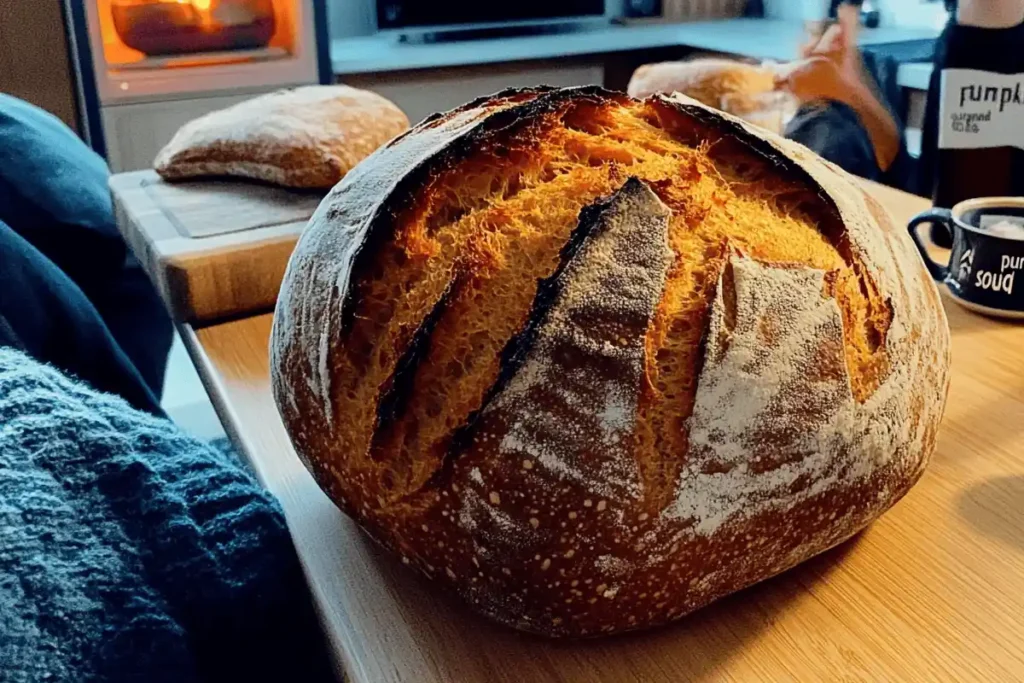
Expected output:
{"points": [[397, 389], [549, 289], [519, 345], [442, 117], [727, 128]]}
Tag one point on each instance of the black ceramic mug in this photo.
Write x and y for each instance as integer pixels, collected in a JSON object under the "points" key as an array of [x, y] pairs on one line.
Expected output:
{"points": [[985, 272]]}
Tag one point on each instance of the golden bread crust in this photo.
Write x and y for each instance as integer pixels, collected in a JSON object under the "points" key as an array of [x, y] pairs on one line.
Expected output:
{"points": [[592, 421]]}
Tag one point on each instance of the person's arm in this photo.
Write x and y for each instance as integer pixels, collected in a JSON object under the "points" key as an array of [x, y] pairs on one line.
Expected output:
{"points": [[879, 123], [990, 13], [833, 70], [820, 78]]}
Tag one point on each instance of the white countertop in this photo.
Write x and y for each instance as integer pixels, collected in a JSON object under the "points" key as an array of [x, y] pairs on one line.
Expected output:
{"points": [[764, 39], [916, 76]]}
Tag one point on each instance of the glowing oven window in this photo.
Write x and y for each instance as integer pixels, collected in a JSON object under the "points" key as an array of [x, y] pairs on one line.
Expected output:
{"points": [[139, 30]]}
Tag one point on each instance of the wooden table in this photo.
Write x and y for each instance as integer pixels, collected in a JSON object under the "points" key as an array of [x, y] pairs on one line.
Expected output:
{"points": [[934, 591]]}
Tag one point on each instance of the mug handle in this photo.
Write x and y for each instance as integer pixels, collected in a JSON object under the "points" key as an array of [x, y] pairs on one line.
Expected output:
{"points": [[943, 217]]}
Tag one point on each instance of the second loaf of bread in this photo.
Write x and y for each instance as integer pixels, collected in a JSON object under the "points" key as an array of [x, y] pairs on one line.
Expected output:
{"points": [[307, 137], [592, 362], [706, 80]]}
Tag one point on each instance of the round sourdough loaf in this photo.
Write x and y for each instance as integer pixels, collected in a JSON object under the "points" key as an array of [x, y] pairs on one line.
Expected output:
{"points": [[593, 362]]}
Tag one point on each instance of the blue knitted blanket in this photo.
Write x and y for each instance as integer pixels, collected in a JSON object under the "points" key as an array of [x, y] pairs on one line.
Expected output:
{"points": [[132, 552]]}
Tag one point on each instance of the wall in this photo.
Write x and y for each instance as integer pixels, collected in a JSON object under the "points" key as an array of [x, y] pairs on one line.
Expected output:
{"points": [[894, 12], [34, 56], [914, 13], [795, 10]]}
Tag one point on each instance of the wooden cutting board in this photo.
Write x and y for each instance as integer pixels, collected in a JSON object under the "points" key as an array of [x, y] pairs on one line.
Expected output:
{"points": [[215, 249]]}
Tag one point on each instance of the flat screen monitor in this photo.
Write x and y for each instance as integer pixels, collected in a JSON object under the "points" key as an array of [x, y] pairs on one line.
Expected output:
{"points": [[441, 15]]}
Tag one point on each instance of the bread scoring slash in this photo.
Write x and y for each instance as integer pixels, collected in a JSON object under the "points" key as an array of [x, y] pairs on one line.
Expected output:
{"points": [[593, 362]]}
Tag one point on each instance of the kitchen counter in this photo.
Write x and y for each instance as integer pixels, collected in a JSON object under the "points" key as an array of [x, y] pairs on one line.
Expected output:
{"points": [[915, 76], [762, 39]]}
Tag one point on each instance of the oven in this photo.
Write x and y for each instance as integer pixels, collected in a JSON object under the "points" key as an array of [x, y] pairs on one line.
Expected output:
{"points": [[145, 67]]}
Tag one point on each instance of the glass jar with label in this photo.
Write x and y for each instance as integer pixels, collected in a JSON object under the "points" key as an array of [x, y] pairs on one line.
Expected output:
{"points": [[980, 124]]}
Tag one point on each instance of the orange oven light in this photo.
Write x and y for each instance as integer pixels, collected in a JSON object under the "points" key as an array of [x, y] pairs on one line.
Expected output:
{"points": [[136, 29], [205, 15]]}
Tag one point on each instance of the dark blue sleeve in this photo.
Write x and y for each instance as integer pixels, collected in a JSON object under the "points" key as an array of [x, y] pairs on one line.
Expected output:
{"points": [[131, 552], [834, 131], [54, 193], [46, 315]]}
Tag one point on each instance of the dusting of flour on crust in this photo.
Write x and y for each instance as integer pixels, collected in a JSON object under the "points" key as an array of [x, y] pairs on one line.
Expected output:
{"points": [[768, 412], [835, 443], [576, 395]]}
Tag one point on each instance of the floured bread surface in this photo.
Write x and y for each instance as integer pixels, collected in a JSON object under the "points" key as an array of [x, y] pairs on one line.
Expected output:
{"points": [[706, 80], [593, 362], [744, 90], [308, 137]]}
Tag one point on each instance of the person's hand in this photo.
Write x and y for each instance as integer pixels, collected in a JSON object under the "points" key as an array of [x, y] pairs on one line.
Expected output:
{"points": [[832, 70], [839, 42], [811, 79]]}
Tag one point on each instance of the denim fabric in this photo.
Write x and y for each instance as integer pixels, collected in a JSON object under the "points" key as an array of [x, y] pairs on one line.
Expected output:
{"points": [[54, 197]]}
